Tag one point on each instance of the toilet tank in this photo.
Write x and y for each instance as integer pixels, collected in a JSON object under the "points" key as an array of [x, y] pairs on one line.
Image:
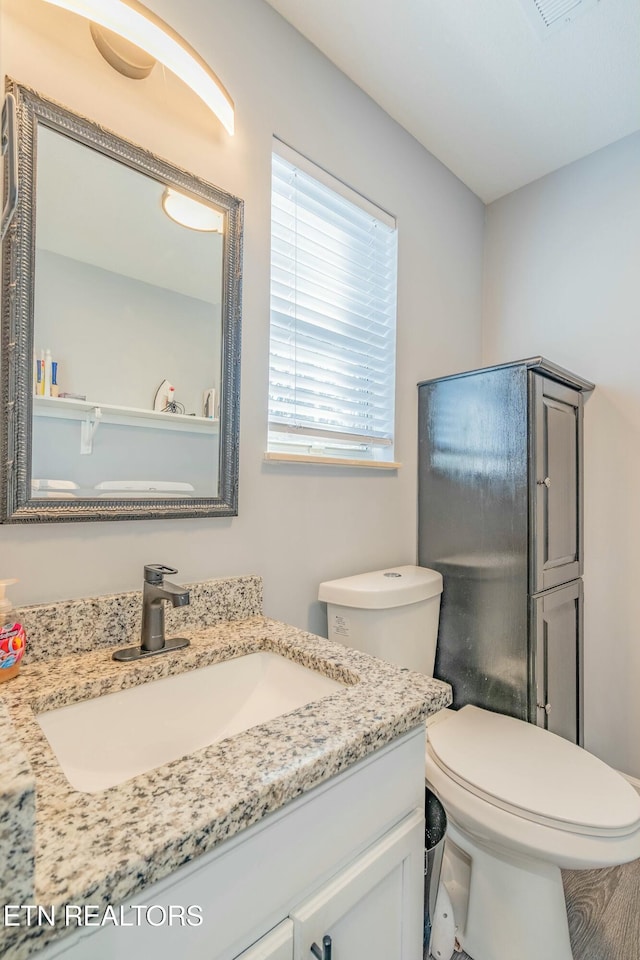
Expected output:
{"points": [[391, 613]]}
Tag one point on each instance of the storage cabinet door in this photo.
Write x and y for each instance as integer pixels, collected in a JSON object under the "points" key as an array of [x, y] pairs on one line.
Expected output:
{"points": [[374, 908], [556, 483], [557, 634], [275, 945]]}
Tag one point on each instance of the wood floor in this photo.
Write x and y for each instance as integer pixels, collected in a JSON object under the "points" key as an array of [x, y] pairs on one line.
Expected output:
{"points": [[604, 913]]}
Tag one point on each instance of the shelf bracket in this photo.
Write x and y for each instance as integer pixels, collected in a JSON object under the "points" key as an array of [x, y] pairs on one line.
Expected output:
{"points": [[88, 428]]}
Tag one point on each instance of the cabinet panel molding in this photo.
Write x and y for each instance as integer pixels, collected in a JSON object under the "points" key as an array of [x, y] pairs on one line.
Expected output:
{"points": [[275, 945]]}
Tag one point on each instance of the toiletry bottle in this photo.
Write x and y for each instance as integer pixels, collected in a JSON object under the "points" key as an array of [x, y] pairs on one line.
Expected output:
{"points": [[12, 636], [41, 374], [54, 378], [47, 373]]}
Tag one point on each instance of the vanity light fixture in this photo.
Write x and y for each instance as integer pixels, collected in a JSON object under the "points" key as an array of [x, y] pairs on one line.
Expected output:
{"points": [[191, 213], [123, 56], [135, 23]]}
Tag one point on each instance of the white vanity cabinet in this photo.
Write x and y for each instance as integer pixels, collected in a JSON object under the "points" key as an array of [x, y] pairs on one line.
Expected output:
{"points": [[345, 861]]}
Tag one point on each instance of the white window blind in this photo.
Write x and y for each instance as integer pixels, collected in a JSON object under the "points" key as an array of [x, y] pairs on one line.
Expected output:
{"points": [[333, 317]]}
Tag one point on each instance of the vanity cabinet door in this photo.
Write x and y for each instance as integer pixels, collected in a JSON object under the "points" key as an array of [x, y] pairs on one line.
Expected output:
{"points": [[556, 482], [275, 945], [373, 908]]}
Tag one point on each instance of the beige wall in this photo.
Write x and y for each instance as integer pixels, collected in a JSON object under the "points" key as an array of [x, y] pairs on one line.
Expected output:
{"points": [[297, 525], [562, 278]]}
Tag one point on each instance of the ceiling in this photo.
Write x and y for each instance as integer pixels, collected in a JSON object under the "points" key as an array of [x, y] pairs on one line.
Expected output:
{"points": [[497, 100]]}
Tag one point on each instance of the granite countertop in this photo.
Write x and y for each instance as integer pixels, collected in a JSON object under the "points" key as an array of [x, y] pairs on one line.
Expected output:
{"points": [[104, 848]]}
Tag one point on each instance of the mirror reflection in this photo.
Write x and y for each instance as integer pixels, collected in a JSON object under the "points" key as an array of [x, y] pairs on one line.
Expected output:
{"points": [[127, 332]]}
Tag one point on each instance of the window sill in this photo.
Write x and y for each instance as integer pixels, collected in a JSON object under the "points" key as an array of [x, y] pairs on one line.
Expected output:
{"points": [[332, 461]]}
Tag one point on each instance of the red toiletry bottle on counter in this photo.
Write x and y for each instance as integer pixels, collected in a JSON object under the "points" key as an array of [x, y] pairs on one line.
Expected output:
{"points": [[12, 636]]}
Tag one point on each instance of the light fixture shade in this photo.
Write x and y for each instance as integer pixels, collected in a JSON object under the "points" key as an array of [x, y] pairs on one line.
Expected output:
{"points": [[191, 213], [137, 24], [122, 55]]}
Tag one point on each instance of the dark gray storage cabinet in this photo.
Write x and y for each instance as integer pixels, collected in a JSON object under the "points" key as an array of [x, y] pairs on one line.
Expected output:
{"points": [[500, 516]]}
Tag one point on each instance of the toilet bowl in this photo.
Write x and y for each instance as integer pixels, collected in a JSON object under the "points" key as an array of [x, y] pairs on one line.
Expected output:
{"points": [[521, 802]]}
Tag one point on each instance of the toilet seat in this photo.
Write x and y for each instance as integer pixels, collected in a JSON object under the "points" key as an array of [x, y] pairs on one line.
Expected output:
{"points": [[533, 774]]}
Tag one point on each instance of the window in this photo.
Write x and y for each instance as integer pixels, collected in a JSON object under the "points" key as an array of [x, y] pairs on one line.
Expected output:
{"points": [[333, 319]]}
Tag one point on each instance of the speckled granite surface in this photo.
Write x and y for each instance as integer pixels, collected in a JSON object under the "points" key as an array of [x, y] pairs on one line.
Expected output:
{"points": [[17, 816], [77, 626], [105, 848]]}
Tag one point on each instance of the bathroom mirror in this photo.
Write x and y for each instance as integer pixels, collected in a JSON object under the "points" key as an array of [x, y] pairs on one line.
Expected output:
{"points": [[120, 330]]}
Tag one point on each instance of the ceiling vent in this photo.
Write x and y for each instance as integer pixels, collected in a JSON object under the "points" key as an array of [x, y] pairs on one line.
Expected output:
{"points": [[547, 16]]}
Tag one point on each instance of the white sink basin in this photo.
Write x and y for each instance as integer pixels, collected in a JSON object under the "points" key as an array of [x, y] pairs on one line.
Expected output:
{"points": [[100, 743]]}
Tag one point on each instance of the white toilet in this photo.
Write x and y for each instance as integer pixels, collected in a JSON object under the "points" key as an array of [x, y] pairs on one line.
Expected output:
{"points": [[521, 802]]}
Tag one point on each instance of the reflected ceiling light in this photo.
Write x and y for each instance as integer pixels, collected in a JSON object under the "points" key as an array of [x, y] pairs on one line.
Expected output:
{"points": [[191, 213], [133, 22]]}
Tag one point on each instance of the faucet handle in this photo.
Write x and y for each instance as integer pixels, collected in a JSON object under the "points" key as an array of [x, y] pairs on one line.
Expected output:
{"points": [[154, 572]]}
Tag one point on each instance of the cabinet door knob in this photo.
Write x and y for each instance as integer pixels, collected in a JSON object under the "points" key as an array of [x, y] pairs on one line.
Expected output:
{"points": [[544, 706], [325, 953], [546, 482]]}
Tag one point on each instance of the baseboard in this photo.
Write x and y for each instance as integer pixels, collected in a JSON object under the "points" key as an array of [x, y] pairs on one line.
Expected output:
{"points": [[633, 781]]}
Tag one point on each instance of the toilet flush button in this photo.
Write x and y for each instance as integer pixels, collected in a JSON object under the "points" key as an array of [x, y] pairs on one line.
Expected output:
{"points": [[391, 573]]}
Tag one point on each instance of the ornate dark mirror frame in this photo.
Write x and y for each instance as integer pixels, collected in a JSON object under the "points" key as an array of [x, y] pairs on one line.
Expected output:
{"points": [[16, 358]]}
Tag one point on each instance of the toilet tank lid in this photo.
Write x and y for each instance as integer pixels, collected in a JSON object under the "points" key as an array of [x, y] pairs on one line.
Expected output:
{"points": [[380, 589]]}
